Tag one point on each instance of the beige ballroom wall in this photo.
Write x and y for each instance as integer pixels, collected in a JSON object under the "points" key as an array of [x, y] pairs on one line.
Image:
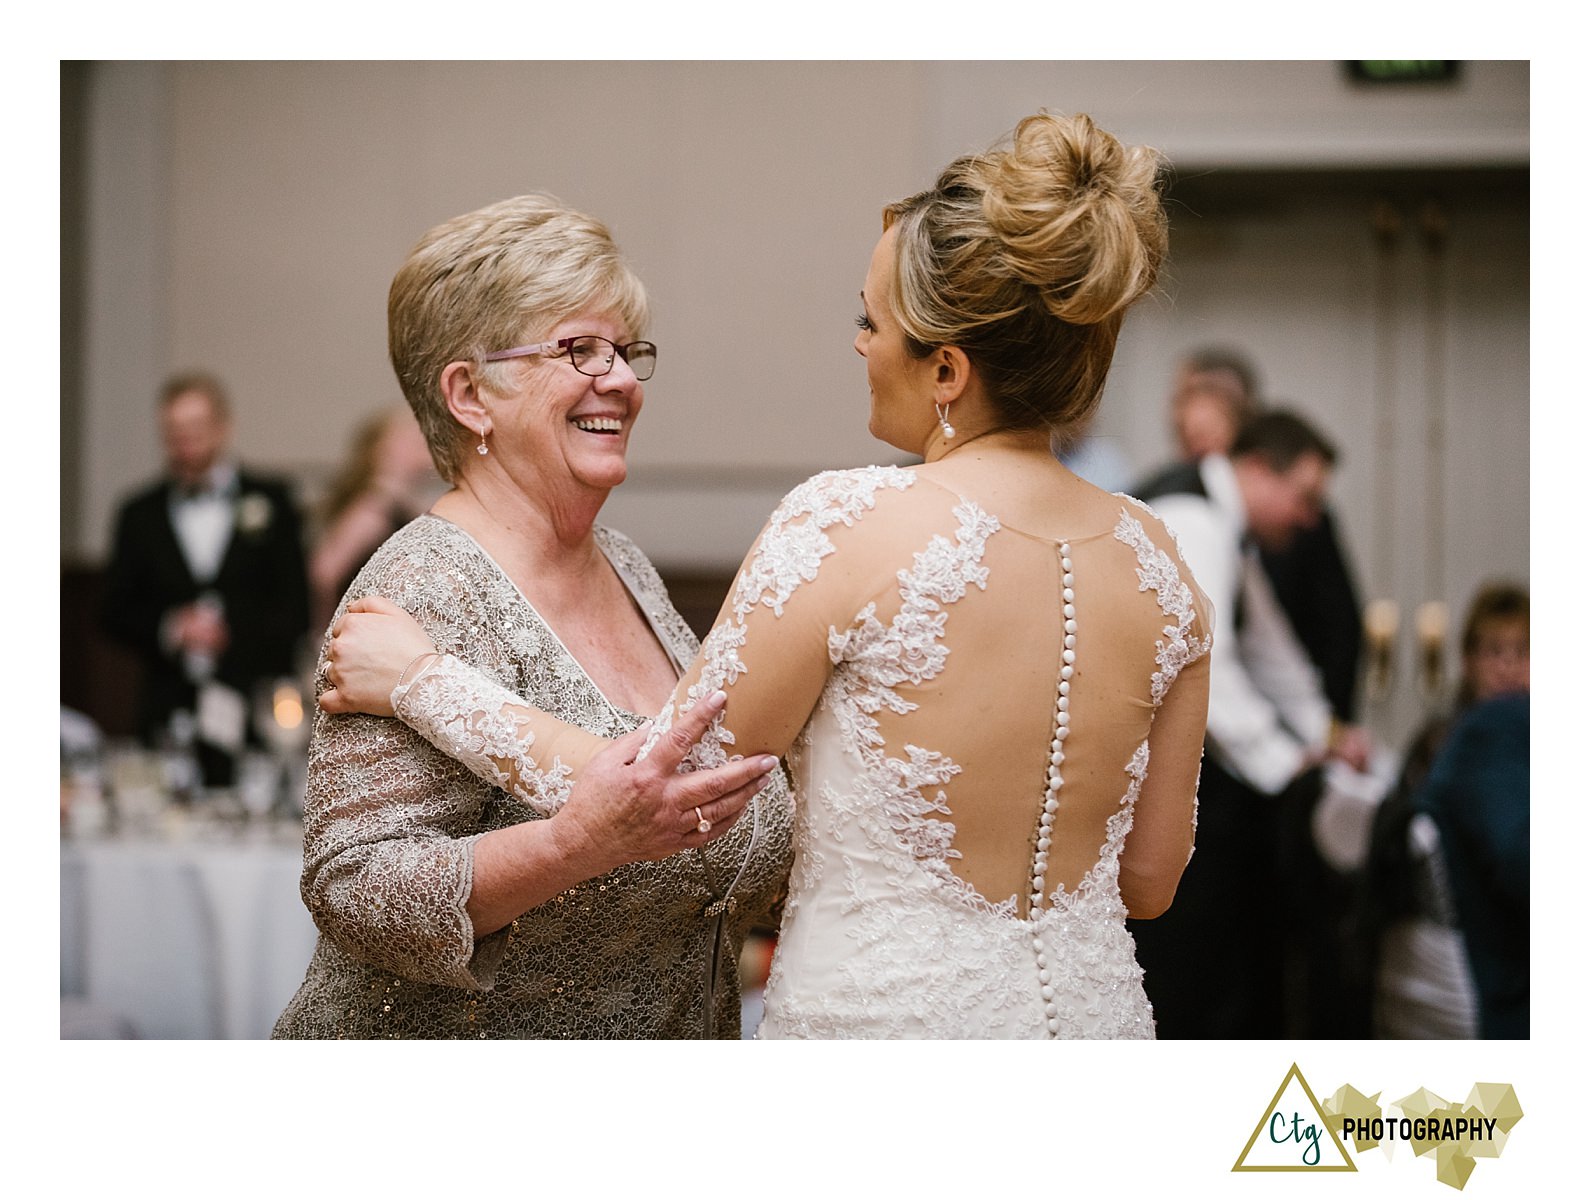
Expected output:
{"points": [[286, 194]]}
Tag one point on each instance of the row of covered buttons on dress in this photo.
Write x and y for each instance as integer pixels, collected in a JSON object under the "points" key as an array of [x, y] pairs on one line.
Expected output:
{"points": [[1051, 800]]}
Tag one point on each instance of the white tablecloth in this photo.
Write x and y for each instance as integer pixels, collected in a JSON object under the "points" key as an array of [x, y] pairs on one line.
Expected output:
{"points": [[187, 936]]}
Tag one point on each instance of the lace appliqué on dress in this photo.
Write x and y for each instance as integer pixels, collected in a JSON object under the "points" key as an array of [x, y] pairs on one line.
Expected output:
{"points": [[1093, 967], [787, 555], [1156, 570], [1146, 507], [872, 661], [467, 717]]}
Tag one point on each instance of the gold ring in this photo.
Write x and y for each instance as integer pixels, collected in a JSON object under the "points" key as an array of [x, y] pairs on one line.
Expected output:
{"points": [[702, 824]]}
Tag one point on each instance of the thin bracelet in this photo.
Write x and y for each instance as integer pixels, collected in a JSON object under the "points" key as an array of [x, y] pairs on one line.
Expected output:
{"points": [[410, 667]]}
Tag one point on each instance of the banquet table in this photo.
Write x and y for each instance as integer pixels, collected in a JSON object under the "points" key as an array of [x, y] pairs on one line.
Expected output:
{"points": [[188, 931]]}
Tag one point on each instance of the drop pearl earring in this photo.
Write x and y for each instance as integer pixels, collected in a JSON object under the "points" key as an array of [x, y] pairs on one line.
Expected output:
{"points": [[481, 449], [943, 411]]}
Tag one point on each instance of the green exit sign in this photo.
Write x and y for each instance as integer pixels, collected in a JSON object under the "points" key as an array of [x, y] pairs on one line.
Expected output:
{"points": [[1403, 70]]}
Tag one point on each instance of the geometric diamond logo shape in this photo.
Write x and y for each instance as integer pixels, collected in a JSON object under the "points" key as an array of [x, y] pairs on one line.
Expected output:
{"points": [[1293, 1133]]}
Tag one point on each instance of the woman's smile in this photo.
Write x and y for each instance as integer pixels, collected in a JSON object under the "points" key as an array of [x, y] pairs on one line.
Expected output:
{"points": [[602, 426]]}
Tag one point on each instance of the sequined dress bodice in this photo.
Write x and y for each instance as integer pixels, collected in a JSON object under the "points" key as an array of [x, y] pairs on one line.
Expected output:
{"points": [[390, 822]]}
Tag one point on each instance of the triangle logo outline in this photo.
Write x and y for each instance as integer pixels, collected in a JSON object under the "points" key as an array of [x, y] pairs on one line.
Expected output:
{"points": [[1346, 1163]]}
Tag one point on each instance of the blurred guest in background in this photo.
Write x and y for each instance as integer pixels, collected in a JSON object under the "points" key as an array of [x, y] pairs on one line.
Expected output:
{"points": [[1270, 726], [1215, 393], [1478, 797], [206, 582], [1409, 930], [388, 480]]}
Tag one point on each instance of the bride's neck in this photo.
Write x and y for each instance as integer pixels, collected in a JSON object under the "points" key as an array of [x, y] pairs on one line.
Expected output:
{"points": [[1000, 442]]}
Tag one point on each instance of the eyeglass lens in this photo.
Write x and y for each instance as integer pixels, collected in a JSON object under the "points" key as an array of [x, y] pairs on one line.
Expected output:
{"points": [[594, 356]]}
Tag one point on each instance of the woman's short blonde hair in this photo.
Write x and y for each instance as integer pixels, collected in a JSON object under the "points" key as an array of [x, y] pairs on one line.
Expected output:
{"points": [[1027, 258], [492, 279]]}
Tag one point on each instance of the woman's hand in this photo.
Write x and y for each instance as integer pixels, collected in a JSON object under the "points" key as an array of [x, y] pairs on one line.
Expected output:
{"points": [[625, 810], [372, 644], [621, 810]]}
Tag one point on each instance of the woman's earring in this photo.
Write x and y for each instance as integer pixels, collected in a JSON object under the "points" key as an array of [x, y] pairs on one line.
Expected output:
{"points": [[481, 449], [943, 411]]}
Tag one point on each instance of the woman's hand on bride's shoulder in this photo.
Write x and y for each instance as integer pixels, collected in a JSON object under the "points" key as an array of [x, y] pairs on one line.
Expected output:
{"points": [[372, 644]]}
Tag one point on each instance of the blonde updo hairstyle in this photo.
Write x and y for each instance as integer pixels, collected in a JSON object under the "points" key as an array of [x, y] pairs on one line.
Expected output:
{"points": [[1027, 259], [490, 280]]}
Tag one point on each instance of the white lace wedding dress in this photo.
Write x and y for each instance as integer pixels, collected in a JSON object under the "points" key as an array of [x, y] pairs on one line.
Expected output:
{"points": [[976, 716]]}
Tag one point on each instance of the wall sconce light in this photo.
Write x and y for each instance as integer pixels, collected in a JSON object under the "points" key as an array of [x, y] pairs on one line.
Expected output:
{"points": [[1380, 640], [1431, 623]]}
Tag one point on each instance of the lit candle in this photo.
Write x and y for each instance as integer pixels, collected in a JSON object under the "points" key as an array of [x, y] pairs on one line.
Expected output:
{"points": [[288, 707]]}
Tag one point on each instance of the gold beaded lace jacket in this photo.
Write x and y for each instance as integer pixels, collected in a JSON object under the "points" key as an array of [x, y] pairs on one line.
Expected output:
{"points": [[649, 950]]}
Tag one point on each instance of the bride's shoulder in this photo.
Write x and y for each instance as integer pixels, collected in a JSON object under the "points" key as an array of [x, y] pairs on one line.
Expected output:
{"points": [[842, 496], [1142, 516], [1139, 510]]}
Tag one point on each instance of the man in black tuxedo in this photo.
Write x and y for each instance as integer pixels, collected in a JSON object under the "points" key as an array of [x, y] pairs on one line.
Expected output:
{"points": [[206, 582]]}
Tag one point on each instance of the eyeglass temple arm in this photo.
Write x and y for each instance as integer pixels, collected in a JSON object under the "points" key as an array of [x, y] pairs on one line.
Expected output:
{"points": [[522, 351]]}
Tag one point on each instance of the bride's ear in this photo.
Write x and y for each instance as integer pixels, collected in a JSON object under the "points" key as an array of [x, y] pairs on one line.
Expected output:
{"points": [[952, 374], [461, 390]]}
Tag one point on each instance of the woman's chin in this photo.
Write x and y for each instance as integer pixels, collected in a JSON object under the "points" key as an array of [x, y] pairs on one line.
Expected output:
{"points": [[882, 432], [893, 438], [607, 474]]}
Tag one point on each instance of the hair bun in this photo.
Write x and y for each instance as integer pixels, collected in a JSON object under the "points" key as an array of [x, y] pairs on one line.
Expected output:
{"points": [[1078, 215]]}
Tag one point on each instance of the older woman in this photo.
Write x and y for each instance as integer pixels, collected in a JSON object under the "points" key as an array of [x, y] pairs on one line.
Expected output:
{"points": [[448, 906], [991, 675]]}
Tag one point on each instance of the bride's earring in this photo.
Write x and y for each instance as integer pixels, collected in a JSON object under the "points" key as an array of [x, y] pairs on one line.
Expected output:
{"points": [[943, 411], [481, 449]]}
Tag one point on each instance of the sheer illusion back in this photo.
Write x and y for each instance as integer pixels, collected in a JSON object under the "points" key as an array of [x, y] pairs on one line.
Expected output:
{"points": [[1043, 675], [990, 750]]}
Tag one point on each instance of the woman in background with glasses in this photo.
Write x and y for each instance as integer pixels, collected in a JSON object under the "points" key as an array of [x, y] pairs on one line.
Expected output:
{"points": [[991, 676], [449, 906]]}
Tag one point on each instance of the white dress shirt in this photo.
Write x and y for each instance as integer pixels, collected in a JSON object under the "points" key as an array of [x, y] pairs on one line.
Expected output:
{"points": [[1267, 709], [203, 522]]}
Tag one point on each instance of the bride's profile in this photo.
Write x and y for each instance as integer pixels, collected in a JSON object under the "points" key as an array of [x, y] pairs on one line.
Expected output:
{"points": [[989, 677]]}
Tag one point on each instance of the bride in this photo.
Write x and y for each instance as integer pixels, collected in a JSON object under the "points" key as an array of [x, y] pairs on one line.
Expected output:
{"points": [[990, 678]]}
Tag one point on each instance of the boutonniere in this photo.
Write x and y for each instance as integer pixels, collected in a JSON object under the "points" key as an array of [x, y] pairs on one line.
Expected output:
{"points": [[253, 512]]}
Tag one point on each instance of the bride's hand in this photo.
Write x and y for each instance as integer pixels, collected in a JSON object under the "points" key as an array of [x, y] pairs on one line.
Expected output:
{"points": [[371, 646]]}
